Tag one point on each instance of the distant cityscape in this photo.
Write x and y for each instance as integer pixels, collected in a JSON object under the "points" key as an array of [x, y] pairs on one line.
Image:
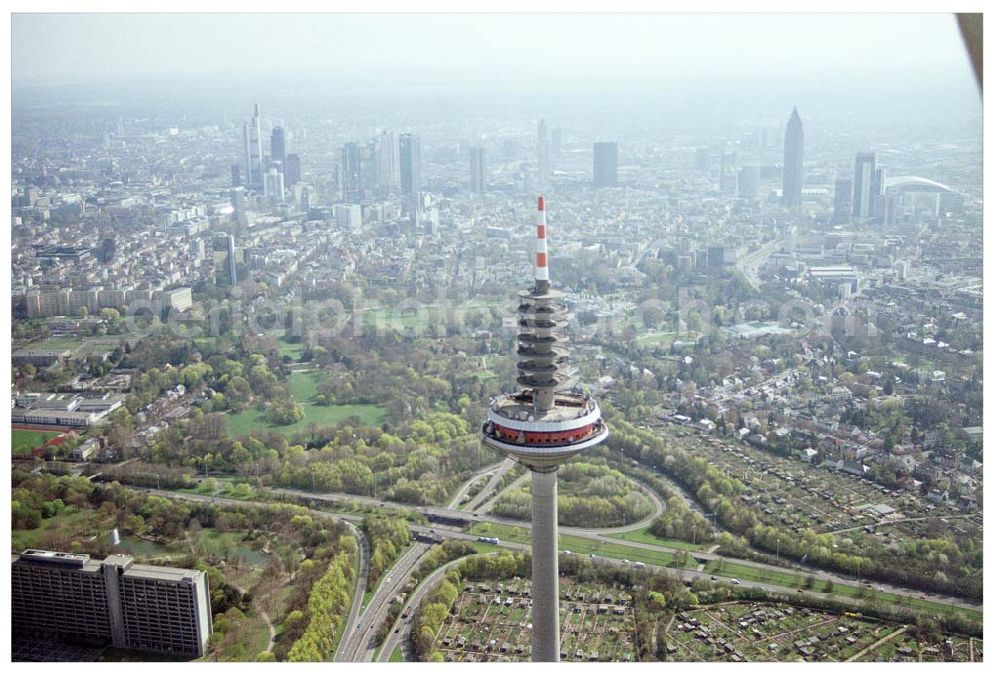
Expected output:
{"points": [[275, 395]]}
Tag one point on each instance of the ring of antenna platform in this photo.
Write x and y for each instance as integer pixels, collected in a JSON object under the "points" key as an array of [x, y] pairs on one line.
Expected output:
{"points": [[540, 427]]}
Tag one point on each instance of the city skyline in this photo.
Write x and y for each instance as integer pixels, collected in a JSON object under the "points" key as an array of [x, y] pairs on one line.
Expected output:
{"points": [[497, 338]]}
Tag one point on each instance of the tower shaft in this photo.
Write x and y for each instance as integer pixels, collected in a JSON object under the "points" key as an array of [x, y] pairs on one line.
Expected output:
{"points": [[544, 567]]}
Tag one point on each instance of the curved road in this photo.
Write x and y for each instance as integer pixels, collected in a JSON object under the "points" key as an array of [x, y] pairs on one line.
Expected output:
{"points": [[506, 465], [487, 505], [359, 586], [660, 506], [456, 501]]}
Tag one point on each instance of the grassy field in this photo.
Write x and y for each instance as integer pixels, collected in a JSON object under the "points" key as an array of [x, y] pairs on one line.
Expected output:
{"points": [[656, 338], [70, 519], [23, 441], [643, 535], [303, 388], [225, 488], [249, 638], [391, 319], [85, 345], [397, 654], [293, 350], [580, 545]]}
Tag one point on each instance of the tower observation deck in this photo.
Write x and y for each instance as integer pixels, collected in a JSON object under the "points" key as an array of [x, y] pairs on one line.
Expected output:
{"points": [[541, 427]]}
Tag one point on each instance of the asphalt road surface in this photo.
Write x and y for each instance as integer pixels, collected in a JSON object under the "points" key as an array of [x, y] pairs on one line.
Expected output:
{"points": [[359, 635]]}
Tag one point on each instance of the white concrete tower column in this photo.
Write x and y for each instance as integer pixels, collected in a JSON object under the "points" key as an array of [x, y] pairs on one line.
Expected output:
{"points": [[544, 568]]}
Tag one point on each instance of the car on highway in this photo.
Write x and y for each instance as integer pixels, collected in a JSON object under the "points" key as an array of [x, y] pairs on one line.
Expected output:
{"points": [[713, 578], [735, 581]]}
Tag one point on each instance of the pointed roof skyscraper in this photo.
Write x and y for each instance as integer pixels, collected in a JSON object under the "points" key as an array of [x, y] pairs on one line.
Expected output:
{"points": [[791, 169]]}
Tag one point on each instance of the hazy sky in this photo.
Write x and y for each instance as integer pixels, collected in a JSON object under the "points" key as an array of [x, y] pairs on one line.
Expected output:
{"points": [[59, 47]]}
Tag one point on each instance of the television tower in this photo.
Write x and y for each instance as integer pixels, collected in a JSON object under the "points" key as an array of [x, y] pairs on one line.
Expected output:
{"points": [[541, 427]]}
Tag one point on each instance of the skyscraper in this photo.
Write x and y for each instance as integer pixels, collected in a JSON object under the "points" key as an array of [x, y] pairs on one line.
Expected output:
{"points": [[239, 206], [409, 164], [234, 174], [878, 196], [542, 148], [388, 161], [477, 182], [278, 144], [748, 182], [305, 205], [841, 201], [231, 258], [274, 183], [370, 183], [350, 173], [863, 200], [253, 154], [605, 164], [293, 169], [791, 169], [541, 427], [107, 251]]}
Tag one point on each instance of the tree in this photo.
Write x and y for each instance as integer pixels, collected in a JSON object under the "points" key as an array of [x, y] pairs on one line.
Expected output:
{"points": [[284, 412]]}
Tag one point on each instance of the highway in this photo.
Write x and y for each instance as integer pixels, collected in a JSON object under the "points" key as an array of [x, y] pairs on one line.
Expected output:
{"points": [[358, 640], [359, 585], [599, 535], [749, 263], [399, 634]]}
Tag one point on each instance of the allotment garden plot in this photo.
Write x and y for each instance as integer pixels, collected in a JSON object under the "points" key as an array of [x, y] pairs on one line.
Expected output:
{"points": [[798, 496], [490, 621], [747, 631]]}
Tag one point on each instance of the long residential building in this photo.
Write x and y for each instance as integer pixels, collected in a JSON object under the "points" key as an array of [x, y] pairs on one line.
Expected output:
{"points": [[130, 605]]}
